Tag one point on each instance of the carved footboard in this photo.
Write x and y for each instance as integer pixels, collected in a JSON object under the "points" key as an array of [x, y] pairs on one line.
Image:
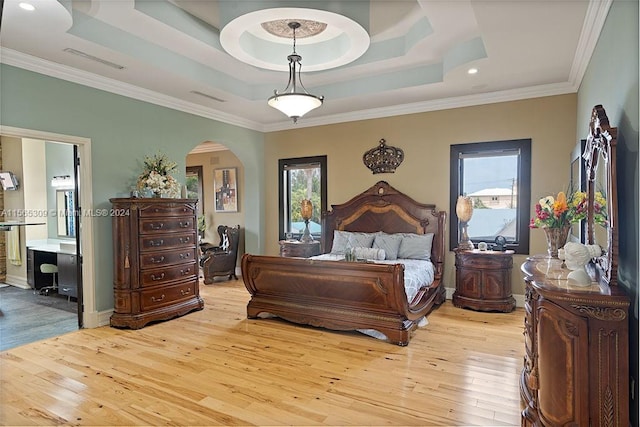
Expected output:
{"points": [[336, 294]]}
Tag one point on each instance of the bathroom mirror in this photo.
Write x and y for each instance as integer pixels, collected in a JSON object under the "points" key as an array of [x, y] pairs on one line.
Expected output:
{"points": [[64, 210], [600, 160]]}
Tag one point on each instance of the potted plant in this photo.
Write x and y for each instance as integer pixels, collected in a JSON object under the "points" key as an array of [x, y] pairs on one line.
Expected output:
{"points": [[202, 226]]}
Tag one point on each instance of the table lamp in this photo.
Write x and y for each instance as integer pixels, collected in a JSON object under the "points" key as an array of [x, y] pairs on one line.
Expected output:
{"points": [[306, 210], [464, 211]]}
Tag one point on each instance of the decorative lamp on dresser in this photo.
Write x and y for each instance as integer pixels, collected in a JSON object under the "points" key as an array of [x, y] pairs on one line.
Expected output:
{"points": [[576, 364], [155, 264], [483, 280]]}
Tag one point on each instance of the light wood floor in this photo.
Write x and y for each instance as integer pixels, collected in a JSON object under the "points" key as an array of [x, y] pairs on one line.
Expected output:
{"points": [[215, 367]]}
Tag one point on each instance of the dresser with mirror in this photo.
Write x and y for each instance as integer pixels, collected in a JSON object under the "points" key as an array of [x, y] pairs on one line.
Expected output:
{"points": [[576, 364]]}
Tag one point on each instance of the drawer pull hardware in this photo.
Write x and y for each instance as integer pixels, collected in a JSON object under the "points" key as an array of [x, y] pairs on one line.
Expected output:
{"points": [[183, 256], [184, 272], [185, 239], [156, 242], [156, 226], [154, 299], [160, 277], [185, 224], [158, 260], [183, 292]]}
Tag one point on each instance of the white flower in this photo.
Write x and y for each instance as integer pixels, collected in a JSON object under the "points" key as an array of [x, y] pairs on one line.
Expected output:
{"points": [[157, 177], [547, 202]]}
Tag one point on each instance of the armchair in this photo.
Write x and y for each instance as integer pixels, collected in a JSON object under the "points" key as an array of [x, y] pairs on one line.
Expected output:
{"points": [[221, 260]]}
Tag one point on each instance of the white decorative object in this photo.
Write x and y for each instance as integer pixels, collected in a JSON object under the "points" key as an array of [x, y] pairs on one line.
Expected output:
{"points": [[576, 256]]}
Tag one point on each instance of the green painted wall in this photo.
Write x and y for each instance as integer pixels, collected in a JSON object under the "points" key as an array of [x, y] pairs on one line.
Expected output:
{"points": [[122, 132], [611, 79]]}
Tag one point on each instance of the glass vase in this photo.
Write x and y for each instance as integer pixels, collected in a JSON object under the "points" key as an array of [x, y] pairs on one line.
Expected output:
{"points": [[556, 239]]}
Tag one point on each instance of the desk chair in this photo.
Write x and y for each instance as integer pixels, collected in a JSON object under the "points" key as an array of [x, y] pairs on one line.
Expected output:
{"points": [[53, 270]]}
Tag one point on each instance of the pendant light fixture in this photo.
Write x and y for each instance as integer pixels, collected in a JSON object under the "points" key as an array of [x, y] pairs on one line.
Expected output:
{"points": [[291, 102]]}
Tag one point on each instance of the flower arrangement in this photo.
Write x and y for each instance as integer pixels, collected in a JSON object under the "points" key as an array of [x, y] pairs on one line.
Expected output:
{"points": [[561, 211], [156, 176]]}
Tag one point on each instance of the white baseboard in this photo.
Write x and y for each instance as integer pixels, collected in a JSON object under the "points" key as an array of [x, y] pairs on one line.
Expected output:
{"points": [[104, 318], [95, 319], [519, 298], [17, 281]]}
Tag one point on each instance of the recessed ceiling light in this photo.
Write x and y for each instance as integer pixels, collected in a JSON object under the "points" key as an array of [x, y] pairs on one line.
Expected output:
{"points": [[472, 71], [27, 6]]}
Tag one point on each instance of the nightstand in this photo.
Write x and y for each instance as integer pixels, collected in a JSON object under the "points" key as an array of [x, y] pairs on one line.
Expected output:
{"points": [[294, 248], [483, 280]]}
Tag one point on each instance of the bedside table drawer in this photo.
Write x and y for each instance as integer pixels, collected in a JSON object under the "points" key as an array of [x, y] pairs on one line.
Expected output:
{"points": [[299, 249], [484, 261]]}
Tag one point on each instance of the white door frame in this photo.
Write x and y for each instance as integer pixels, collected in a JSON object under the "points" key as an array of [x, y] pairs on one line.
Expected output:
{"points": [[90, 317]]}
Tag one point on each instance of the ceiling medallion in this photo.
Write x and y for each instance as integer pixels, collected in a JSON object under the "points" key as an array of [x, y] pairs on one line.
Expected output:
{"points": [[383, 158], [281, 28]]}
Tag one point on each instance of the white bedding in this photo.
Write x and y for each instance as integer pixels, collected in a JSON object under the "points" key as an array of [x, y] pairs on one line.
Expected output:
{"points": [[417, 272]]}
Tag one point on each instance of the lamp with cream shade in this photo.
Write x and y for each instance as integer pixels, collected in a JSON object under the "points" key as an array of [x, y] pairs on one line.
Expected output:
{"points": [[464, 211]]}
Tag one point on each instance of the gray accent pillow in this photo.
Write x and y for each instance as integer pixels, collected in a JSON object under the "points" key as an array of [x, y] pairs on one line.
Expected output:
{"points": [[340, 242], [369, 253], [416, 246], [360, 240], [343, 240], [390, 243]]}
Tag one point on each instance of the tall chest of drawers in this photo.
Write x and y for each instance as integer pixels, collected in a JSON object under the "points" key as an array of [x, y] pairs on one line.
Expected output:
{"points": [[155, 273]]}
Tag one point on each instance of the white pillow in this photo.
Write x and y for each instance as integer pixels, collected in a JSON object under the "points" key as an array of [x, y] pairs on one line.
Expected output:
{"points": [[416, 246], [369, 253], [390, 243]]}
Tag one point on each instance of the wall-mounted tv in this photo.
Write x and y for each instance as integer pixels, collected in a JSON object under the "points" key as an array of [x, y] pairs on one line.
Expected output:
{"points": [[9, 181]]}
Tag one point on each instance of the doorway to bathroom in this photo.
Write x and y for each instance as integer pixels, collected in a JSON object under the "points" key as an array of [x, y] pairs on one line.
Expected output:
{"points": [[43, 288]]}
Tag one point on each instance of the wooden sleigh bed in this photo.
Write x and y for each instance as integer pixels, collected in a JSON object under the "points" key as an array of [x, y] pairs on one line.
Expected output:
{"points": [[343, 295]]}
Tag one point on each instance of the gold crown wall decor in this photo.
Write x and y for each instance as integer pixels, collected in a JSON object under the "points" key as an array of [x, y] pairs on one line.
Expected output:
{"points": [[383, 158]]}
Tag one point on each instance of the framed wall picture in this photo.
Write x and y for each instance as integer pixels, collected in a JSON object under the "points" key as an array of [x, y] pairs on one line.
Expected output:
{"points": [[225, 183]]}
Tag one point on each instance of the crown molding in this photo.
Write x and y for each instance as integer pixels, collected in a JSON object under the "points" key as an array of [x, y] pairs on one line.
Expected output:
{"points": [[53, 69], [435, 105], [591, 28]]}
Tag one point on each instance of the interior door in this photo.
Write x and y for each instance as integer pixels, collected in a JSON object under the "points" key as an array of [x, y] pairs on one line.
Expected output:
{"points": [[78, 222]]}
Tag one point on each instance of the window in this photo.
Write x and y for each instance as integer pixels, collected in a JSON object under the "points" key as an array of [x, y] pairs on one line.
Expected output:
{"points": [[497, 177], [302, 178]]}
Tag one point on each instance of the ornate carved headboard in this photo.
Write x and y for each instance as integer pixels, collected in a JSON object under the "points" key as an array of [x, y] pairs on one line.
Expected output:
{"points": [[383, 208]]}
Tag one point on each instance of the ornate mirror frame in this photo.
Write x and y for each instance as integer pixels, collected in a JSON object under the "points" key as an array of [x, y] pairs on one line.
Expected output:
{"points": [[600, 165], [578, 182]]}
